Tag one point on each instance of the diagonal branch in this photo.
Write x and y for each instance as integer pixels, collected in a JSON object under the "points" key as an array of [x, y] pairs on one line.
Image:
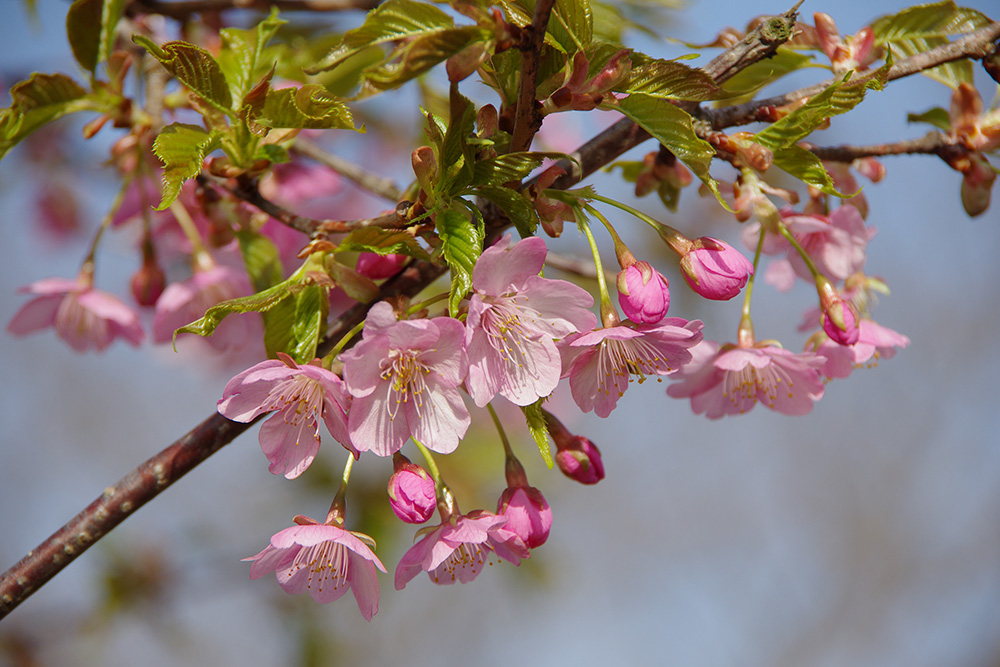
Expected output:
{"points": [[527, 119], [383, 187]]}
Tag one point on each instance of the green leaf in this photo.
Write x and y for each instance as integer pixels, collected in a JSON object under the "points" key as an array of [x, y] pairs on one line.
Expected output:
{"points": [[194, 67], [806, 167], [240, 58], [259, 303], [90, 27], [414, 57], [672, 128], [937, 117], [535, 419], [511, 167], [40, 99], [668, 79], [745, 83], [924, 27], [572, 24], [515, 206], [456, 156], [261, 258], [393, 20], [358, 287], [461, 245], [383, 242], [296, 323], [308, 107], [182, 148]]}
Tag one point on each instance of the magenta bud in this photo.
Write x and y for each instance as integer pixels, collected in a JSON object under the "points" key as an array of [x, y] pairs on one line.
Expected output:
{"points": [[581, 460], [643, 293], [715, 270], [148, 284], [375, 266], [411, 491], [839, 321], [528, 514]]}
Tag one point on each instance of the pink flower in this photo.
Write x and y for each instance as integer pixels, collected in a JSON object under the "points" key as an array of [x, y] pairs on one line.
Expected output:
{"points": [[528, 514], [514, 315], [731, 380], [81, 315], [374, 266], [184, 302], [404, 377], [715, 270], [459, 549], [580, 459], [840, 309], [411, 491], [324, 560], [874, 342], [643, 293], [600, 363], [299, 396]]}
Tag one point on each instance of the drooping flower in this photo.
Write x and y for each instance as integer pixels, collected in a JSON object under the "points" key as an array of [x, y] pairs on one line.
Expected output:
{"points": [[577, 457], [299, 396], [874, 342], [404, 376], [731, 380], [84, 317], [643, 293], [514, 315], [411, 491], [715, 270], [460, 548], [184, 302], [600, 363], [324, 560], [528, 513]]}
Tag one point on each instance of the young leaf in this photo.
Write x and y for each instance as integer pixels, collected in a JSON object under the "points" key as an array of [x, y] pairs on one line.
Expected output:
{"points": [[536, 426], [511, 167], [668, 79], [414, 57], [240, 58], [295, 324], [308, 107], [182, 148], [260, 256], [806, 167], [461, 245], [514, 205], [194, 67], [937, 117], [40, 99], [456, 158], [90, 27], [383, 242], [672, 128], [259, 303], [745, 83]]}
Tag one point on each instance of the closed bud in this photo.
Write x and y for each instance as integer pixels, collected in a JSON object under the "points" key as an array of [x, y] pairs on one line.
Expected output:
{"points": [[411, 491], [576, 456], [528, 514]]}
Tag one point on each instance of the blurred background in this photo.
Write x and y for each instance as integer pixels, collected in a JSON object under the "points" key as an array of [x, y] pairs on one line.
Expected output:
{"points": [[866, 533]]}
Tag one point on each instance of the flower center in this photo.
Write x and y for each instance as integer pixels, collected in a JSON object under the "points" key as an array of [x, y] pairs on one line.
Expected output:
{"points": [[505, 330], [298, 397], [465, 563], [77, 322], [752, 383], [327, 563], [406, 376], [618, 360]]}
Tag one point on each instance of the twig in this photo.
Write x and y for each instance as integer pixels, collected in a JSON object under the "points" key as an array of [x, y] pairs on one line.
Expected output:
{"points": [[934, 143], [527, 119], [383, 187], [183, 9], [578, 267]]}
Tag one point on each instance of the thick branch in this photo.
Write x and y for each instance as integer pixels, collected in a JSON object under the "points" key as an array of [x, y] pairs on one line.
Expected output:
{"points": [[527, 119]]}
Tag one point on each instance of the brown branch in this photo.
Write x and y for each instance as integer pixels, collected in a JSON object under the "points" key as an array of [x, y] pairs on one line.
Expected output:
{"points": [[383, 187], [934, 143], [527, 118], [182, 10], [758, 44]]}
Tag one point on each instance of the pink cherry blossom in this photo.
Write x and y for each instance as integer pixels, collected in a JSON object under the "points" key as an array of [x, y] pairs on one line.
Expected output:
{"points": [[528, 514], [376, 267], [184, 302], [731, 380], [82, 316], [577, 457], [600, 363], [715, 270], [324, 560], [299, 396], [874, 342], [838, 308], [411, 491], [643, 293], [514, 315], [460, 548], [404, 377]]}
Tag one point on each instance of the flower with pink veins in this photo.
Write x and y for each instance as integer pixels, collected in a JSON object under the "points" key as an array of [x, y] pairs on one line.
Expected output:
{"points": [[459, 549], [600, 363], [732, 379], [404, 377], [514, 315], [324, 560], [82, 316], [299, 396], [184, 302]]}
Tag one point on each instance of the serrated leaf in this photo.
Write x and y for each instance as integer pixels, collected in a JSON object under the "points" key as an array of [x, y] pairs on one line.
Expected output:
{"points": [[39, 100], [535, 419], [240, 57], [182, 149], [745, 83], [672, 128], [90, 27], [194, 67], [511, 167], [308, 107], [273, 153], [515, 206], [383, 242], [296, 322], [937, 117], [574, 18], [668, 79], [806, 167], [259, 303], [416, 56], [461, 245], [393, 20], [261, 258], [456, 156]]}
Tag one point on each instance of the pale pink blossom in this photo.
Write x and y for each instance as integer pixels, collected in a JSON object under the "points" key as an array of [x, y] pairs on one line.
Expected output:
{"points": [[600, 363], [411, 491], [185, 302], [460, 548], [299, 395], [514, 315], [404, 376], [84, 317], [874, 342], [715, 270], [730, 380], [324, 560], [643, 293]]}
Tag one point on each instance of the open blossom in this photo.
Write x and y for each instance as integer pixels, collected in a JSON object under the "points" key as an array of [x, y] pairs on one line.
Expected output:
{"points": [[82, 316], [185, 302], [324, 560], [514, 315], [460, 548], [715, 270], [730, 380], [874, 342], [404, 377], [643, 293], [600, 363], [299, 396]]}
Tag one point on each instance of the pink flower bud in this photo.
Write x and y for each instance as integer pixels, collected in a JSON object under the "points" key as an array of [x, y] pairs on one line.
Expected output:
{"points": [[581, 460], [411, 491], [528, 514], [643, 293], [148, 283], [375, 266], [715, 270], [840, 322]]}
